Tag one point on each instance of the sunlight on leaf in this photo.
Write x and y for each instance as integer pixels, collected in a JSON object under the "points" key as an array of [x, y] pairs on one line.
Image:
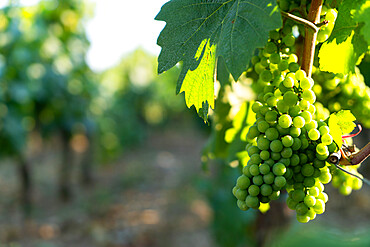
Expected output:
{"points": [[198, 83]]}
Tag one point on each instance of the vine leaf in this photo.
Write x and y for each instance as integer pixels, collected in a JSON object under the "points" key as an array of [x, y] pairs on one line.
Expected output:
{"points": [[363, 15], [341, 123], [198, 30], [347, 44]]}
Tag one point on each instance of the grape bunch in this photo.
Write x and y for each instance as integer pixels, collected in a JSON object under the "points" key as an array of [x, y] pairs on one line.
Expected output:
{"points": [[346, 182], [288, 146], [336, 92]]}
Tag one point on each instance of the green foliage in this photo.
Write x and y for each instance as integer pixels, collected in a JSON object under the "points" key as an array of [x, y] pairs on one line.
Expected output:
{"points": [[197, 32], [347, 43]]}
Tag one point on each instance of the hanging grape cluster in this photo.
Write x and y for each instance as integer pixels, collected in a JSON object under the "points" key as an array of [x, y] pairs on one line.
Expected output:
{"points": [[289, 147]]}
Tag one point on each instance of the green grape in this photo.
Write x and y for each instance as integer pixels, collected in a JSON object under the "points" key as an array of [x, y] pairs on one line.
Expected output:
{"points": [[266, 190], [254, 170], [256, 107], [270, 47], [319, 206], [309, 200], [271, 116], [311, 125], [304, 105], [287, 141], [283, 65], [252, 202], [275, 58], [307, 170], [294, 131], [241, 194], [276, 146], [309, 95], [300, 75], [294, 160], [321, 148], [269, 178], [289, 40], [264, 169], [306, 83], [298, 195], [301, 208], [290, 98], [279, 169], [286, 152], [265, 155], [294, 110], [272, 101], [257, 180], [243, 182], [293, 67], [253, 132], [282, 106], [324, 130], [253, 190], [253, 150], [298, 122], [307, 116], [314, 134], [255, 159], [246, 171], [272, 134], [262, 126], [266, 75], [303, 218], [285, 121], [326, 139], [288, 82], [280, 181], [263, 143]]}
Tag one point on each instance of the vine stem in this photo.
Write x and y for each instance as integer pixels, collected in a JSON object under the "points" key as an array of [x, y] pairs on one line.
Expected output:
{"points": [[361, 155], [300, 20], [310, 36]]}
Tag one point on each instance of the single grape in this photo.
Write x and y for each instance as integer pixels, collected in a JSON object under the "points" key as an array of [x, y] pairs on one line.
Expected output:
{"points": [[243, 182], [287, 141], [253, 190], [285, 121], [279, 169], [314, 134], [252, 201]]}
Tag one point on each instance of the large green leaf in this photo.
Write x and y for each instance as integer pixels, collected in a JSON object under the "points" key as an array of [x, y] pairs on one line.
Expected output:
{"points": [[346, 45], [198, 30]]}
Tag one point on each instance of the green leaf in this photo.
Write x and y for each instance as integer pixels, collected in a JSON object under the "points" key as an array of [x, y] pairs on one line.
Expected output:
{"points": [[363, 15], [204, 30], [346, 46], [341, 123], [335, 130], [342, 57], [345, 121]]}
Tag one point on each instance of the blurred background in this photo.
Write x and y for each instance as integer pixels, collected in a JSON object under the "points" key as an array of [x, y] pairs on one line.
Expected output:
{"points": [[97, 150]]}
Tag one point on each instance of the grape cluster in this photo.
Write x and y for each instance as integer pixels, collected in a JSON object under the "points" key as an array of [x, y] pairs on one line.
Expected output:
{"points": [[346, 182], [288, 146], [337, 92]]}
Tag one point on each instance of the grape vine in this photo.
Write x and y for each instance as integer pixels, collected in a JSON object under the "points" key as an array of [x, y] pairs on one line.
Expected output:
{"points": [[300, 107]]}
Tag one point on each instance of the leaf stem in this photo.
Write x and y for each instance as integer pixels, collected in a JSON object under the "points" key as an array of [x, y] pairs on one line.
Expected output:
{"points": [[301, 20], [310, 36]]}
